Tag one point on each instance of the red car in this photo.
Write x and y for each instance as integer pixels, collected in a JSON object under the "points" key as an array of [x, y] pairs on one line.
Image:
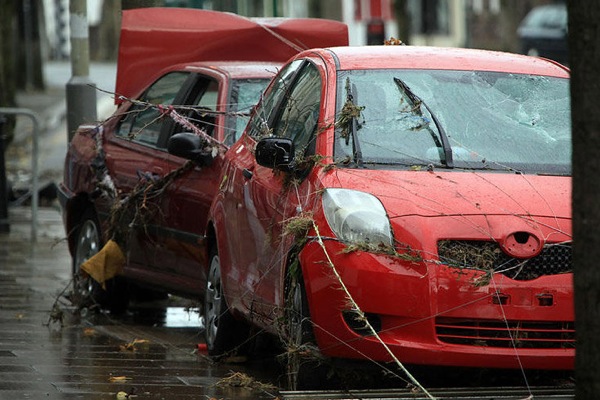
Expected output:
{"points": [[183, 76], [401, 204]]}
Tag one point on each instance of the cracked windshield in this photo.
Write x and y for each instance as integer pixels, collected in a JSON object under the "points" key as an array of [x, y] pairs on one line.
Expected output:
{"points": [[463, 119]]}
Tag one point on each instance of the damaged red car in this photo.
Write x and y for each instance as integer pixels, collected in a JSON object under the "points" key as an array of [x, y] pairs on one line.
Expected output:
{"points": [[399, 204], [184, 76]]}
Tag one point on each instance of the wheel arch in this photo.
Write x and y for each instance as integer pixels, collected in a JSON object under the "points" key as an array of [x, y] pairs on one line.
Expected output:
{"points": [[211, 243], [295, 269]]}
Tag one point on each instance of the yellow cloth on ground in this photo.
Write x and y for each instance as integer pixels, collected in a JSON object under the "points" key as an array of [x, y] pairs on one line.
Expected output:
{"points": [[105, 264]]}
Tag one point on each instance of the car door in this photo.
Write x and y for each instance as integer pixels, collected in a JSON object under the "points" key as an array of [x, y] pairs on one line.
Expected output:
{"points": [[241, 246], [186, 201], [265, 199], [132, 154]]}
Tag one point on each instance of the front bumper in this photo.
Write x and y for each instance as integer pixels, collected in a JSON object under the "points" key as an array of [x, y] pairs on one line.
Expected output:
{"points": [[425, 313]]}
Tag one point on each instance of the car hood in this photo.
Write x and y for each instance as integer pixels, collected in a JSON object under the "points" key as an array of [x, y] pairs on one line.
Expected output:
{"points": [[155, 38], [438, 194], [521, 212]]}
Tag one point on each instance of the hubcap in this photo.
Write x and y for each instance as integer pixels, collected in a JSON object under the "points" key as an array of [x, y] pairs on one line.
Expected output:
{"points": [[212, 301], [88, 244]]}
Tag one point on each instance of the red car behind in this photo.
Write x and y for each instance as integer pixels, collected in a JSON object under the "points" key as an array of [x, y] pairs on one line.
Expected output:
{"points": [[183, 75]]}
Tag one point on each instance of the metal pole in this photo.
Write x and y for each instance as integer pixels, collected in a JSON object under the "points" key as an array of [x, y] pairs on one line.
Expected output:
{"points": [[35, 185], [28, 36], [81, 91]]}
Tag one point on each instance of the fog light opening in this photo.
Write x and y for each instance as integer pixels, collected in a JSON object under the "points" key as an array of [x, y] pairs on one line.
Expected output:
{"points": [[545, 300], [501, 299], [359, 325]]}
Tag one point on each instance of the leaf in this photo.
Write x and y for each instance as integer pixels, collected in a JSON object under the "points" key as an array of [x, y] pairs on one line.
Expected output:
{"points": [[89, 332], [132, 346], [119, 379]]}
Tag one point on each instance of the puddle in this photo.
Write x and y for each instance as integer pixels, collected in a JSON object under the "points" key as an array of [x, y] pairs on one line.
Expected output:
{"points": [[182, 317]]}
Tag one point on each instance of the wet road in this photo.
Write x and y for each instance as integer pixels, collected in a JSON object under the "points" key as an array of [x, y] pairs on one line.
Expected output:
{"points": [[151, 352]]}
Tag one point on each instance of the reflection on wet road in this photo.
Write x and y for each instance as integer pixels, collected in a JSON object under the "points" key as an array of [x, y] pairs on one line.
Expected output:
{"points": [[152, 351]]}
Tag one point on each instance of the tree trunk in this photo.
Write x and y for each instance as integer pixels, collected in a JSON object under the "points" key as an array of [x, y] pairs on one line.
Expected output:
{"points": [[7, 64], [511, 15], [584, 47], [104, 40], [403, 20], [29, 54]]}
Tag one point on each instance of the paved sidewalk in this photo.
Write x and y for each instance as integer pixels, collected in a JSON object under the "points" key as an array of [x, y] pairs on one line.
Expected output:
{"points": [[49, 352], [56, 352]]}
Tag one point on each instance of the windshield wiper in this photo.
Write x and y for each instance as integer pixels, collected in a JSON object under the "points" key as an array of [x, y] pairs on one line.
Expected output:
{"points": [[417, 103], [351, 101]]}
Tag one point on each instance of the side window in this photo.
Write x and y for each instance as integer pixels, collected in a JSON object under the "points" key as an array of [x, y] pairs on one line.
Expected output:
{"points": [[259, 123], [205, 104], [299, 113], [243, 96], [143, 123]]}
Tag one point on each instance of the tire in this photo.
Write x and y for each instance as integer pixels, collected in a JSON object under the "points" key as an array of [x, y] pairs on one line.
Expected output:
{"points": [[87, 293], [225, 336], [306, 368]]}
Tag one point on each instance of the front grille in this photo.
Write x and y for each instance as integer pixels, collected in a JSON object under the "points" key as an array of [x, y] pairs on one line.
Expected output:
{"points": [[488, 256], [507, 334]]}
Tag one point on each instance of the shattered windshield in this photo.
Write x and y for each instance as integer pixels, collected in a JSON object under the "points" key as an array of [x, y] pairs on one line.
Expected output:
{"points": [[454, 119], [244, 95]]}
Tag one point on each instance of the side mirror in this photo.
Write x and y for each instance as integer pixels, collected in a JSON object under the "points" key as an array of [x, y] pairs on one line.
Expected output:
{"points": [[189, 146], [275, 153]]}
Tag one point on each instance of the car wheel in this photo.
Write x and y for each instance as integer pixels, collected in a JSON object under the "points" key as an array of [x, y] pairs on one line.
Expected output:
{"points": [[224, 334], [86, 291], [306, 368]]}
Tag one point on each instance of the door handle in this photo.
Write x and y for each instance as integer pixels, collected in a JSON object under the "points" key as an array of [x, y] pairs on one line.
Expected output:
{"points": [[247, 173]]}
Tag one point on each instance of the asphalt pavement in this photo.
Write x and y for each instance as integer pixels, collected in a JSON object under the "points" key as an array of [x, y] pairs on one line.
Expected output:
{"points": [[49, 349]]}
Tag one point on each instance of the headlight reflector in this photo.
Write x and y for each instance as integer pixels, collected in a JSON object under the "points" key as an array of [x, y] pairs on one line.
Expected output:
{"points": [[357, 217]]}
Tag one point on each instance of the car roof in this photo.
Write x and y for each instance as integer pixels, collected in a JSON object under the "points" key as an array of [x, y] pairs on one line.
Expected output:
{"points": [[425, 57], [237, 69]]}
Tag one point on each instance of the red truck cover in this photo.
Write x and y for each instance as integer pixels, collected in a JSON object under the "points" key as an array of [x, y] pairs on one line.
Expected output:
{"points": [[155, 38]]}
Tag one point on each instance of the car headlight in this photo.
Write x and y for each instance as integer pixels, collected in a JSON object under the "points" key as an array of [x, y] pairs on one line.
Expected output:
{"points": [[357, 217]]}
